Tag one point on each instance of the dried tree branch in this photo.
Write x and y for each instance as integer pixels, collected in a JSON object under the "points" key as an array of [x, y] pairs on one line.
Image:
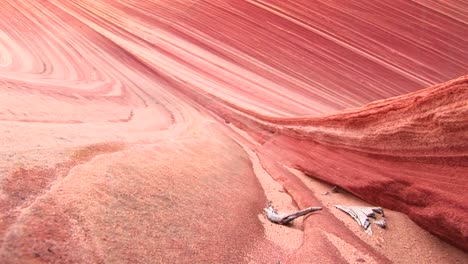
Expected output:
{"points": [[284, 219]]}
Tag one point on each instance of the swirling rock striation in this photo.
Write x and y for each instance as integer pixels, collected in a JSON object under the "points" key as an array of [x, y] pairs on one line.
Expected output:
{"points": [[132, 131]]}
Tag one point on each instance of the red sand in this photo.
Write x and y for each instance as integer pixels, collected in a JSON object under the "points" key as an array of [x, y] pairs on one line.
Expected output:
{"points": [[150, 131]]}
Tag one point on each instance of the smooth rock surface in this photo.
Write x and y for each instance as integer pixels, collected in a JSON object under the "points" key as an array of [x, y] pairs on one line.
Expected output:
{"points": [[150, 131]]}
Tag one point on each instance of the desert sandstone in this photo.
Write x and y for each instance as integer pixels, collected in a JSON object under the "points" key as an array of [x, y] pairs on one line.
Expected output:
{"points": [[156, 131]]}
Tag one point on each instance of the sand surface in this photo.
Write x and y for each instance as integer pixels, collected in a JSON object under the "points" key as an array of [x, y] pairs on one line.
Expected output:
{"points": [[156, 131]]}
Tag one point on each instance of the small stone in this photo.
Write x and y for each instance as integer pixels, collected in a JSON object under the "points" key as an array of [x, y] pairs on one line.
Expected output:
{"points": [[381, 222]]}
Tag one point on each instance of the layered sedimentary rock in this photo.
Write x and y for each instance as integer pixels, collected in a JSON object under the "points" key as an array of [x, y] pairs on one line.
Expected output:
{"points": [[407, 153], [132, 131]]}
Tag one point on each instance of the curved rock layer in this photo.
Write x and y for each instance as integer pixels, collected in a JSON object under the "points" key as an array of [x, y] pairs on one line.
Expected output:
{"points": [[132, 131]]}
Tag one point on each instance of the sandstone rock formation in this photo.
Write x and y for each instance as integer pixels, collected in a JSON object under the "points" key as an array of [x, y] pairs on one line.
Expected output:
{"points": [[154, 131]]}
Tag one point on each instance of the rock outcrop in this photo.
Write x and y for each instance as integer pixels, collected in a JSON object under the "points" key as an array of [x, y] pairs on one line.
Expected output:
{"points": [[139, 131]]}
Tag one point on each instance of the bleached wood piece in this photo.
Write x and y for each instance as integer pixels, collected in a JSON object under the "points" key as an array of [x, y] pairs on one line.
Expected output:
{"points": [[361, 214], [284, 219]]}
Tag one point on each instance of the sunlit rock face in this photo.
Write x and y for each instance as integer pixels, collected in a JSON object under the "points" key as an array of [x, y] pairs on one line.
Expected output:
{"points": [[134, 131]]}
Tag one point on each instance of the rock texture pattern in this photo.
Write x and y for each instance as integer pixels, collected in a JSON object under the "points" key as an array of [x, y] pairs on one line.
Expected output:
{"points": [[135, 131]]}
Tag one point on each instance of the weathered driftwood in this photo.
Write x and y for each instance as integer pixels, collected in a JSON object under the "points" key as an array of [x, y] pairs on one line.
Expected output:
{"points": [[361, 214], [284, 219]]}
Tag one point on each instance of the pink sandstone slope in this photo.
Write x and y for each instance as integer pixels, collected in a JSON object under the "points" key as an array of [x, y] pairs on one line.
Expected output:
{"points": [[156, 131]]}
